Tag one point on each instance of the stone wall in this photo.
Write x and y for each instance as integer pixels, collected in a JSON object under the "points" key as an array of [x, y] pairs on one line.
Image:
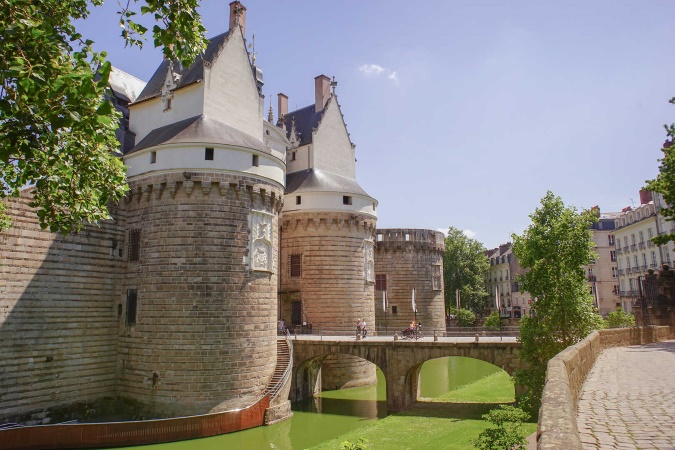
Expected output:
{"points": [[58, 315], [204, 337], [565, 375], [407, 258]]}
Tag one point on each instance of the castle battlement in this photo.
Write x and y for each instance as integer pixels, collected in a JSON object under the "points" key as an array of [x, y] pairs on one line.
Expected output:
{"points": [[393, 239]]}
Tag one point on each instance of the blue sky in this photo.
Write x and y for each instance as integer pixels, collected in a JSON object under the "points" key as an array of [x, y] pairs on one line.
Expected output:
{"points": [[465, 113]]}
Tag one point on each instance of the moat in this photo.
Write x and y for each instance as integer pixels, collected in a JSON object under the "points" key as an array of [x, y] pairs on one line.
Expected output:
{"points": [[335, 413]]}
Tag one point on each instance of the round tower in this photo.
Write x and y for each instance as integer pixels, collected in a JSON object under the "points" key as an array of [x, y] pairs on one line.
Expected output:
{"points": [[206, 179], [327, 234], [407, 259]]}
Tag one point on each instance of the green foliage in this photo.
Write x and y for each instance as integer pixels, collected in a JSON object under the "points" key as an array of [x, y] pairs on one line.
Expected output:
{"points": [[664, 183], [361, 444], [464, 268], [57, 130], [554, 249], [619, 319], [452, 310], [494, 321], [508, 431], [466, 318]]}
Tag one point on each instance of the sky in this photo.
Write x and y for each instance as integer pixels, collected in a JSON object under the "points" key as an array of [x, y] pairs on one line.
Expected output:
{"points": [[465, 113]]}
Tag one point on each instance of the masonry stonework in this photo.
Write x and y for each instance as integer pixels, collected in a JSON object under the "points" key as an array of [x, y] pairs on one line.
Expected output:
{"points": [[407, 259], [201, 310], [58, 315]]}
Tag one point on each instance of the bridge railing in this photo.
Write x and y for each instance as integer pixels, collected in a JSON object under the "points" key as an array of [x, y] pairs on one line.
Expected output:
{"points": [[390, 331]]}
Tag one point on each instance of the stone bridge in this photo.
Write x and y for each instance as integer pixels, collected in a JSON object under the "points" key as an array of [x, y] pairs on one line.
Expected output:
{"points": [[400, 361]]}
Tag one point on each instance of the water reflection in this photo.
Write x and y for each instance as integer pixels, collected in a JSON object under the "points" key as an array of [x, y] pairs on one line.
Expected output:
{"points": [[334, 413]]}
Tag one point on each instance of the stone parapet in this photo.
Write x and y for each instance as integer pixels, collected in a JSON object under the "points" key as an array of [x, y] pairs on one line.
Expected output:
{"points": [[565, 376]]}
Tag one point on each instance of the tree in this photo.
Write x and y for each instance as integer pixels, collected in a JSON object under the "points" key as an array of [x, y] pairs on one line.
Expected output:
{"points": [[57, 130], [466, 318], [664, 183], [619, 319], [464, 268], [554, 249], [508, 433], [494, 321]]}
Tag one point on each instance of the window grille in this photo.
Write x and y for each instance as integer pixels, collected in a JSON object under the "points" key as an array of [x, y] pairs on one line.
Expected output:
{"points": [[132, 306], [134, 244], [296, 266]]}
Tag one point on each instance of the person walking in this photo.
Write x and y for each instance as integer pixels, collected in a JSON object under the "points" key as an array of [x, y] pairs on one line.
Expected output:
{"points": [[364, 330]]}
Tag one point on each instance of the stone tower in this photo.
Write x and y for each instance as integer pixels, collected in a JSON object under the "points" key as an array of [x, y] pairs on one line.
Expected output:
{"points": [[202, 236], [327, 232], [407, 259]]}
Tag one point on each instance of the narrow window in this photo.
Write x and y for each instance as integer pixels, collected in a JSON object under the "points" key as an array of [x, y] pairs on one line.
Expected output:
{"points": [[380, 282], [436, 277], [346, 200], [256, 160], [379, 237], [208, 154], [407, 237], [374, 207], [394, 309], [298, 199], [293, 156], [296, 266], [132, 306], [134, 244], [153, 157]]}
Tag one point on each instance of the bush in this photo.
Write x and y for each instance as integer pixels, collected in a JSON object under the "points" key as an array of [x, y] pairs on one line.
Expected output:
{"points": [[619, 319], [465, 318], [494, 321], [359, 445], [508, 433]]}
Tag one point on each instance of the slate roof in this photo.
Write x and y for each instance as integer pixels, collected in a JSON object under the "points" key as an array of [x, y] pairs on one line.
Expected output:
{"points": [[315, 180], [125, 85], [193, 74], [199, 129], [305, 120]]}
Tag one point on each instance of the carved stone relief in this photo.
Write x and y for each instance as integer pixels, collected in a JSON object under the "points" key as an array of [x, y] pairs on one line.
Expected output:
{"points": [[369, 261], [261, 245]]}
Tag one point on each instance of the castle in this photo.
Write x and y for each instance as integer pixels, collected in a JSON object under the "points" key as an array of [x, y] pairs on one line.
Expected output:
{"points": [[231, 222]]}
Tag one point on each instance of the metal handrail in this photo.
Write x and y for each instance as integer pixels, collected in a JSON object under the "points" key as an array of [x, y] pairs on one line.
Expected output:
{"points": [[274, 391]]}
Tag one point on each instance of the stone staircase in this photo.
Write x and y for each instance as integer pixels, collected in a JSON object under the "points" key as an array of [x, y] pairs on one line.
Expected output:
{"points": [[282, 370]]}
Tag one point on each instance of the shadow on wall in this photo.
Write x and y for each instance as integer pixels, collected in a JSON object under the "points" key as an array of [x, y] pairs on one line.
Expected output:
{"points": [[60, 309]]}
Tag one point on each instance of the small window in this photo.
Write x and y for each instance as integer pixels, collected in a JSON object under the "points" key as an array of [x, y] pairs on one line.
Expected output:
{"points": [[153, 157], [346, 200], [132, 306], [374, 207], [394, 309], [208, 154], [296, 266], [298, 200], [256, 160], [407, 237], [134, 245], [293, 156], [379, 237], [380, 282]]}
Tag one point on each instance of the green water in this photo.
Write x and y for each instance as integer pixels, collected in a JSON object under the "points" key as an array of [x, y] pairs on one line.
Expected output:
{"points": [[337, 412]]}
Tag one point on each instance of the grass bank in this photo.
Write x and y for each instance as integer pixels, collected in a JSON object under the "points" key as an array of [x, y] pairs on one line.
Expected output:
{"points": [[446, 422]]}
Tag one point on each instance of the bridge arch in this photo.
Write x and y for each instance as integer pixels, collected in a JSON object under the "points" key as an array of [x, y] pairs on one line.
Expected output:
{"points": [[400, 362]]}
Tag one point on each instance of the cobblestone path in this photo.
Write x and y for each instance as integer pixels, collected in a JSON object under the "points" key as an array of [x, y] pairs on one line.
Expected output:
{"points": [[628, 399]]}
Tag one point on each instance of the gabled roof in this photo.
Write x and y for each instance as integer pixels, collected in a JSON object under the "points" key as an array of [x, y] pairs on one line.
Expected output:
{"points": [[315, 180], [187, 76], [125, 85], [199, 129], [306, 119]]}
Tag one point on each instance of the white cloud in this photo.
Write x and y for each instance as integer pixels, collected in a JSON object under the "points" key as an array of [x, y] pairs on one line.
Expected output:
{"points": [[371, 69], [375, 70], [469, 233]]}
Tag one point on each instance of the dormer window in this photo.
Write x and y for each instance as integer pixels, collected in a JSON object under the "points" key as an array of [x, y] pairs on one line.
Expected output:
{"points": [[346, 200], [153, 157], [208, 154]]}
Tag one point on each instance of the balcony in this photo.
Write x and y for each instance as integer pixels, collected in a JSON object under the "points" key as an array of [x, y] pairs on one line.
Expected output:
{"points": [[644, 268], [642, 245], [650, 244], [625, 249], [619, 251], [652, 266], [592, 278], [633, 247], [622, 272], [632, 293]]}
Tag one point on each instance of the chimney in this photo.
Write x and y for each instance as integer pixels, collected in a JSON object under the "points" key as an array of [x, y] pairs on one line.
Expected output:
{"points": [[237, 9], [321, 92], [645, 197], [282, 106]]}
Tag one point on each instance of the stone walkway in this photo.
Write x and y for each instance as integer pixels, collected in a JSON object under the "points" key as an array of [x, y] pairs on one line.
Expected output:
{"points": [[628, 399]]}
